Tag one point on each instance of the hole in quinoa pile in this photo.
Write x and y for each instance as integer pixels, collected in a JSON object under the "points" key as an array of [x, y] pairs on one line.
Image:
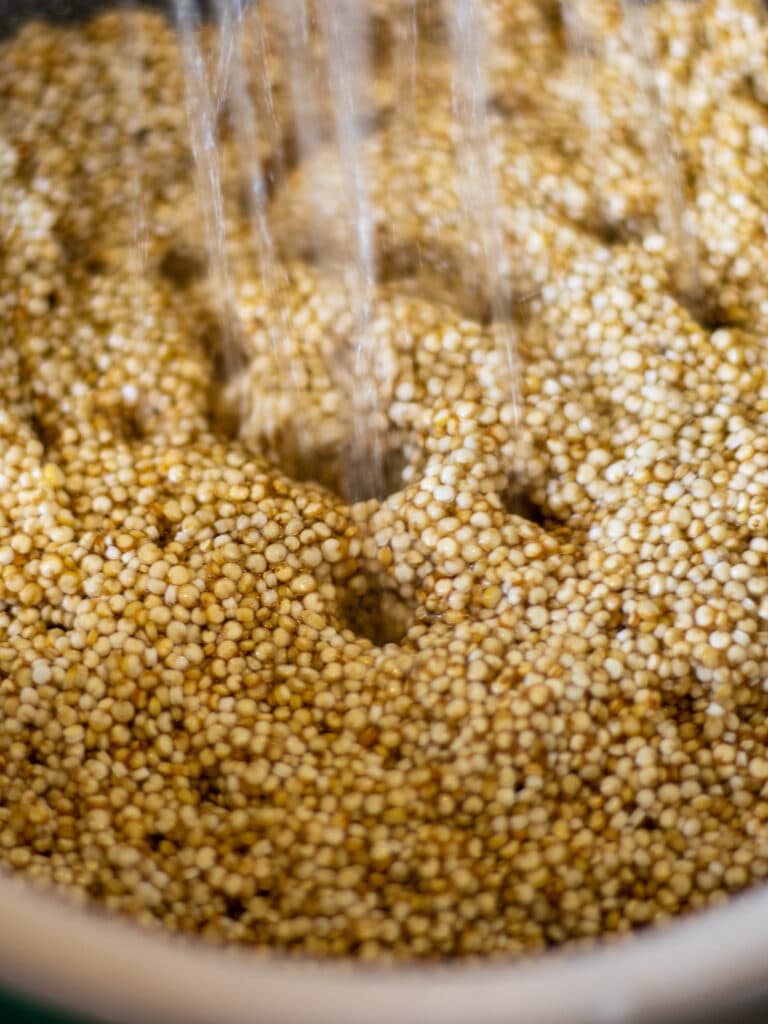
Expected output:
{"points": [[518, 503], [182, 265], [375, 611]]}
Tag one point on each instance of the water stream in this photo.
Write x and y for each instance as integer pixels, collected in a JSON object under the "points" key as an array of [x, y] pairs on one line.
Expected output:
{"points": [[327, 58], [249, 92], [202, 103], [661, 147], [478, 184], [345, 32]]}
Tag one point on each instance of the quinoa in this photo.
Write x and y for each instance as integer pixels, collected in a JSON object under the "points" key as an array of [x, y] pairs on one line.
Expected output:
{"points": [[516, 697]]}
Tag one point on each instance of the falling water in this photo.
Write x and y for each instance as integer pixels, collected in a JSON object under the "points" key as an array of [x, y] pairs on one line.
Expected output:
{"points": [[326, 51], [247, 126], [578, 45], [405, 64], [202, 122], [478, 183], [672, 213], [229, 35], [344, 31], [262, 107], [131, 79], [133, 157], [307, 84]]}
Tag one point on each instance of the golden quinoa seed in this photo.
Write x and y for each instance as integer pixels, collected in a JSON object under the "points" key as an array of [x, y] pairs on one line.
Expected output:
{"points": [[517, 698]]}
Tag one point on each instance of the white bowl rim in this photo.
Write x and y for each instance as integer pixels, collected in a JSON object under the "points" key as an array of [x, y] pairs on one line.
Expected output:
{"points": [[94, 963]]}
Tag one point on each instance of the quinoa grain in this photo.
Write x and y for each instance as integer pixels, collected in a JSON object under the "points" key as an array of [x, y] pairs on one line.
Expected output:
{"points": [[517, 698]]}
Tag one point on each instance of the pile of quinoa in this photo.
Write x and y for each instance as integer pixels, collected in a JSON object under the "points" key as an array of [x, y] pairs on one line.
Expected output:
{"points": [[515, 698]]}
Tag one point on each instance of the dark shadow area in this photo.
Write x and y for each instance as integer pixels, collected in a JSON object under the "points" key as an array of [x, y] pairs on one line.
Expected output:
{"points": [[378, 613], [42, 431], [361, 475], [182, 265], [154, 839], [704, 309], [235, 908], [226, 354], [518, 503]]}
